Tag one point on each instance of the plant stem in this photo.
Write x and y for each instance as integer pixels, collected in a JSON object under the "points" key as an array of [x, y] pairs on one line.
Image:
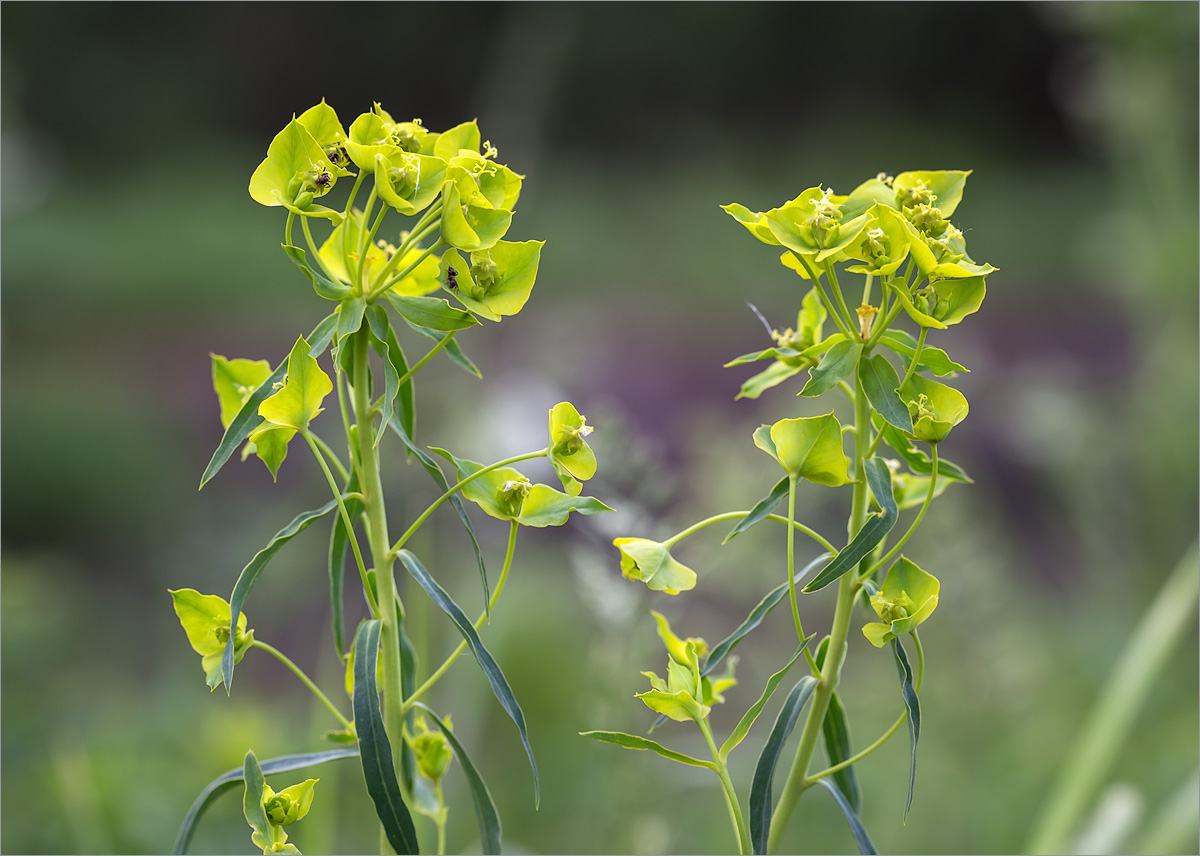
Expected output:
{"points": [[381, 556], [916, 520], [368, 242], [306, 681], [455, 488], [829, 307], [841, 300], [734, 515], [349, 524], [418, 231], [882, 328], [342, 471], [1086, 768], [462, 646], [791, 557], [316, 253], [437, 245], [731, 798], [848, 587], [445, 340], [912, 366]]}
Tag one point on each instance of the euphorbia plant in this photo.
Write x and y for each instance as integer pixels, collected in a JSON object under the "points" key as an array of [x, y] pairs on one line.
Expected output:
{"points": [[897, 234], [456, 201]]}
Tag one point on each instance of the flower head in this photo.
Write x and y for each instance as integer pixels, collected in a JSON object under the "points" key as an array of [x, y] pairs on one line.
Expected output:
{"points": [[908, 596], [652, 563]]}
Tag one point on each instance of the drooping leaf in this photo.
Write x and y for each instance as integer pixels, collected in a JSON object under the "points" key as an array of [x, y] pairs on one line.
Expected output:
{"points": [[918, 460], [913, 705], [880, 383], [632, 741], [934, 359], [546, 506], [395, 366], [838, 364], [375, 748], [485, 808], [835, 731], [761, 510], [491, 670], [759, 820], [230, 779], [431, 313], [339, 542], [935, 407], [743, 727], [856, 828], [879, 477], [247, 418], [322, 285], [245, 581], [435, 472], [252, 799], [451, 349], [771, 376]]}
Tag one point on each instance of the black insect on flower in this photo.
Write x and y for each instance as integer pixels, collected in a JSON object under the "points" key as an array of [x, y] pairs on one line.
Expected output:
{"points": [[323, 179], [451, 280]]}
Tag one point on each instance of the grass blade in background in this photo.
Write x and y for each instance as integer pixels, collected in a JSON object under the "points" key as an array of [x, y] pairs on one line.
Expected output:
{"points": [[485, 808], [374, 747], [247, 419], [760, 791], [230, 779], [245, 581], [491, 670], [865, 846]]}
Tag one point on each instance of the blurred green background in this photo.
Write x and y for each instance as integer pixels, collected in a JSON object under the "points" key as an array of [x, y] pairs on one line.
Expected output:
{"points": [[131, 250]]}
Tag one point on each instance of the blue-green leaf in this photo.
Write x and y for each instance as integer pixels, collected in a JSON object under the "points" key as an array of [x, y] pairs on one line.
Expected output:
{"points": [[837, 365], [835, 730], [760, 511], [452, 350], [408, 683], [632, 741], [880, 382], [395, 366], [485, 809], [917, 460], [350, 316], [879, 477], [322, 285], [435, 472], [856, 828], [743, 727], [764, 772], [913, 705], [339, 542], [374, 746], [245, 581], [755, 618], [934, 359], [491, 670], [230, 779], [247, 419], [431, 313]]}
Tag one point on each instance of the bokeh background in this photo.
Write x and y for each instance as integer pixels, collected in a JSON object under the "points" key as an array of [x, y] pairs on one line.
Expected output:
{"points": [[131, 250]]}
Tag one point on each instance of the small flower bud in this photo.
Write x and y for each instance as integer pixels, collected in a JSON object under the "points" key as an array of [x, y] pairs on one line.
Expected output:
{"points": [[866, 317], [511, 495]]}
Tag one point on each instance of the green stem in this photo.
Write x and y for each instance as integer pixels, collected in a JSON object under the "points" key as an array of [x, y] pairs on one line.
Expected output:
{"points": [[731, 798], [346, 724], [829, 307], [734, 515], [313, 248], [445, 340], [420, 230], [912, 366], [455, 488], [349, 524], [375, 292], [367, 244], [867, 290], [916, 521], [352, 452], [841, 300], [848, 587], [440, 820], [1127, 689], [880, 329], [791, 557], [462, 646], [287, 228], [342, 471]]}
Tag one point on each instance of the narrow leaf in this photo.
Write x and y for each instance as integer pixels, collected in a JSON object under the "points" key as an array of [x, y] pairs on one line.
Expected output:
{"points": [[408, 683], [452, 350], [760, 511], [773, 375], [934, 359], [350, 316], [755, 618], [322, 285], [374, 746], [743, 727], [230, 779], [435, 472], [431, 313], [879, 477], [339, 542], [856, 828], [880, 382], [485, 809], [837, 365], [913, 705], [764, 772], [491, 670], [632, 741], [245, 581], [247, 419], [836, 732]]}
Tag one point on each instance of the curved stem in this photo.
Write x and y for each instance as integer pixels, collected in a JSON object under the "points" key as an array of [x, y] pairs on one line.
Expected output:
{"points": [[419, 231], [287, 228], [791, 557], [342, 471], [912, 366], [882, 328], [368, 242], [358, 558], [829, 306], [316, 253], [734, 515], [867, 289], [916, 521], [455, 488], [462, 646], [376, 291], [731, 798], [841, 300], [445, 340], [346, 724]]}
